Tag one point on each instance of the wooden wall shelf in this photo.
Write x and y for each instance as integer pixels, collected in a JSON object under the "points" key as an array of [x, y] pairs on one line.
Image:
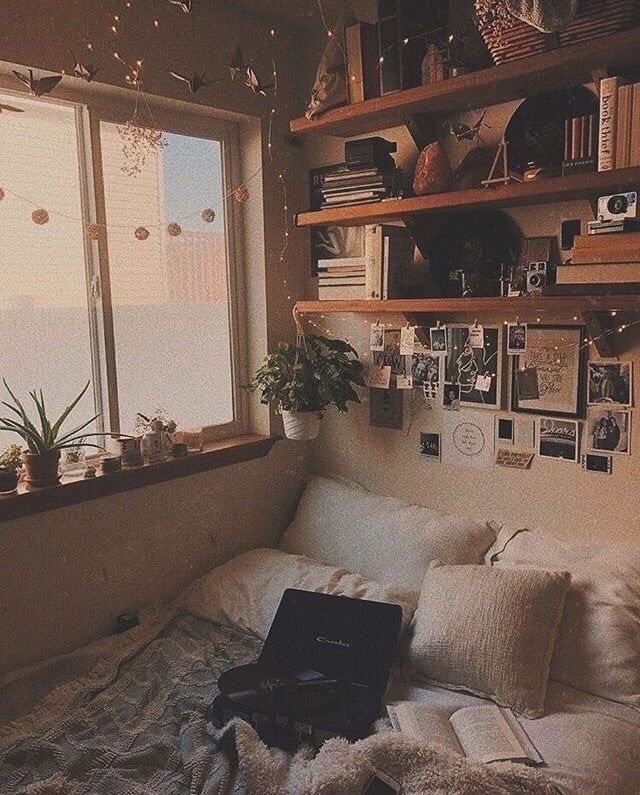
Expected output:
{"points": [[523, 307], [537, 74], [543, 191]]}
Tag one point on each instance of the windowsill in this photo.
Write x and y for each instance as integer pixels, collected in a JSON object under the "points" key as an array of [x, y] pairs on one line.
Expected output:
{"points": [[69, 492]]}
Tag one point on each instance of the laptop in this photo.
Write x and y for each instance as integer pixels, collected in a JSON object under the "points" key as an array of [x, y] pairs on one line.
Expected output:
{"points": [[322, 671]]}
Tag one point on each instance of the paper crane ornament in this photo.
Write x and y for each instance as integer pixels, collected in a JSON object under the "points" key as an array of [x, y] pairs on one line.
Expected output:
{"points": [[38, 86], [195, 81]]}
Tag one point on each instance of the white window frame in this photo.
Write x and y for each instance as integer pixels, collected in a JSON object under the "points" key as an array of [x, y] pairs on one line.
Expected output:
{"points": [[94, 105]]}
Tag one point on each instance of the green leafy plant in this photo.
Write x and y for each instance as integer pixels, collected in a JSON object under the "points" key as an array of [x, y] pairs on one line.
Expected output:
{"points": [[10, 458], [48, 437], [311, 376]]}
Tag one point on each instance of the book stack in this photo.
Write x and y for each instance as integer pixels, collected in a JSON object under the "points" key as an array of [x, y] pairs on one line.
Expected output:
{"points": [[341, 185], [619, 135], [580, 142], [603, 259], [379, 274]]}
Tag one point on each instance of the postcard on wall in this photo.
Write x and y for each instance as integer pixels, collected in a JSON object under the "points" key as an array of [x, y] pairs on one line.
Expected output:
{"points": [[404, 382], [430, 446], [610, 382], [378, 377], [558, 438], [557, 355], [389, 355], [407, 340], [426, 367], [516, 338], [376, 337], [468, 439], [609, 429], [465, 365], [476, 336], [386, 408], [514, 459]]}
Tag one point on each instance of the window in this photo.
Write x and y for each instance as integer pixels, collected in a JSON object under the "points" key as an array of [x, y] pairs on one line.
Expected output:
{"points": [[152, 322]]}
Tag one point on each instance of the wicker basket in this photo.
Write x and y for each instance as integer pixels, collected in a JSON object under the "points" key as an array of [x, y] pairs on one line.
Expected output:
{"points": [[509, 39]]}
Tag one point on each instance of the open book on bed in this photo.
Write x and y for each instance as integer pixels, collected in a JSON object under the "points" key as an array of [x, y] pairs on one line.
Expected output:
{"points": [[482, 734]]}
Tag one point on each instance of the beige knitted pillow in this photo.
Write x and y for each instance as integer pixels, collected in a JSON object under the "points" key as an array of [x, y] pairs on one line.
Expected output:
{"points": [[489, 631]]}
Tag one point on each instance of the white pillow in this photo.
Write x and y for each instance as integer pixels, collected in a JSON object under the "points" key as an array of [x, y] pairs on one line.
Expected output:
{"points": [[386, 539], [247, 590], [598, 645]]}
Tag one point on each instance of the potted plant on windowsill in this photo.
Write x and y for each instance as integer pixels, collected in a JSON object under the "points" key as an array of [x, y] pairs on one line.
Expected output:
{"points": [[10, 469], [40, 460], [303, 380]]}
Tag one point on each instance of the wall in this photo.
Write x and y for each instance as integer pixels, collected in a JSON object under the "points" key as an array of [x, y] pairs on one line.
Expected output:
{"points": [[65, 575], [555, 496]]}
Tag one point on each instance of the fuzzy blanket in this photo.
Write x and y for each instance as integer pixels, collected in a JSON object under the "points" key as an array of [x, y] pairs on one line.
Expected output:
{"points": [[138, 725]]}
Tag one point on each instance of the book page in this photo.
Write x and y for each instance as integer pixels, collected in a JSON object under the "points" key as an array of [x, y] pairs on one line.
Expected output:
{"points": [[486, 736], [426, 723]]}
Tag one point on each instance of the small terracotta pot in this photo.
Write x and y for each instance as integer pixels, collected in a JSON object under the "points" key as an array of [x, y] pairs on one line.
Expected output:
{"points": [[41, 469]]}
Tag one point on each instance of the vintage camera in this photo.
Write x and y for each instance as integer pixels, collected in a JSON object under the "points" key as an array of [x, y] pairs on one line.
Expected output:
{"points": [[537, 274], [618, 207]]}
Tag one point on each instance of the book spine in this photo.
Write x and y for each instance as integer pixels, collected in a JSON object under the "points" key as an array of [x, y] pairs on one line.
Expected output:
{"points": [[576, 136], [370, 60], [634, 152], [606, 273], [374, 262], [608, 118], [567, 139], [621, 127], [355, 75]]}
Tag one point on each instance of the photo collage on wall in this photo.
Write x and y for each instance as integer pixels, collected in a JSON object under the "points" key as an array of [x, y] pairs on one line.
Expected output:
{"points": [[560, 402]]}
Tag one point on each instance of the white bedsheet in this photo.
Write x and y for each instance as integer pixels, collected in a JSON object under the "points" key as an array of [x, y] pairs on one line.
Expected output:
{"points": [[591, 746]]}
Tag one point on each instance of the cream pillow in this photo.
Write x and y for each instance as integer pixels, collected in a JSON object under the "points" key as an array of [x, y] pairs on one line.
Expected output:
{"points": [[246, 591], [598, 646], [488, 631], [390, 541]]}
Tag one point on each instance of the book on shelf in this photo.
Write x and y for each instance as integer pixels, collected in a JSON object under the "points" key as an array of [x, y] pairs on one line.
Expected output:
{"points": [[623, 126], [605, 242], [634, 149], [361, 43], [598, 273], [349, 293], [608, 120], [338, 185], [481, 733]]}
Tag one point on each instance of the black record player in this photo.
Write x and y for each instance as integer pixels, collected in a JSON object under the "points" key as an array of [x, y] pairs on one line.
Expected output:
{"points": [[322, 671]]}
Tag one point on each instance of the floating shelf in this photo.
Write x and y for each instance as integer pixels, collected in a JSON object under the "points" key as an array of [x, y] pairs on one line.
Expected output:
{"points": [[537, 74], [543, 191], [513, 307]]}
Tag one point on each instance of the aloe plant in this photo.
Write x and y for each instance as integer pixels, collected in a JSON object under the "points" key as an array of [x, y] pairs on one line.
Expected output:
{"points": [[49, 436]]}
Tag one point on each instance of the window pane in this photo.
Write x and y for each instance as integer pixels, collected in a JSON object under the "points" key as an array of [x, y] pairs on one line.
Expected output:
{"points": [[170, 304], [44, 322]]}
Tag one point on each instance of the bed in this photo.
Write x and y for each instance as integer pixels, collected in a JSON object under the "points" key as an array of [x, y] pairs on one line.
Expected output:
{"points": [[129, 714]]}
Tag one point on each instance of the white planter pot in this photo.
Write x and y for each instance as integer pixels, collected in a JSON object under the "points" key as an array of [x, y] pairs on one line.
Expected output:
{"points": [[301, 425]]}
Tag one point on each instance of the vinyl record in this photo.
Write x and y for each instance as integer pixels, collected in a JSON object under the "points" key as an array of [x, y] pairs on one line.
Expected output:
{"points": [[535, 133], [483, 244]]}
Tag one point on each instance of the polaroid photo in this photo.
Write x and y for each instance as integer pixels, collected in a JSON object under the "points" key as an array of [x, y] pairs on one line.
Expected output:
{"points": [[516, 338], [592, 462], [430, 391], [376, 337], [558, 438], [505, 431], [430, 446], [378, 377], [476, 336], [610, 382], [438, 338], [451, 397], [609, 430]]}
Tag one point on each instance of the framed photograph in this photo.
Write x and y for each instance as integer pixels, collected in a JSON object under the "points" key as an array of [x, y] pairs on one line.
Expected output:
{"points": [[609, 430], [430, 446], [610, 382], [386, 408], [557, 356], [344, 244], [558, 438], [516, 338], [478, 371]]}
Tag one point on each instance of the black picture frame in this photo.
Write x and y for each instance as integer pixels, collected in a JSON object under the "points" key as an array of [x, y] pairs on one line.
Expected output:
{"points": [[570, 343]]}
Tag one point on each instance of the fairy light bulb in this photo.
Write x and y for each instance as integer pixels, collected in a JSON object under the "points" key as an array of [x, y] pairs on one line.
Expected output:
{"points": [[156, 23]]}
